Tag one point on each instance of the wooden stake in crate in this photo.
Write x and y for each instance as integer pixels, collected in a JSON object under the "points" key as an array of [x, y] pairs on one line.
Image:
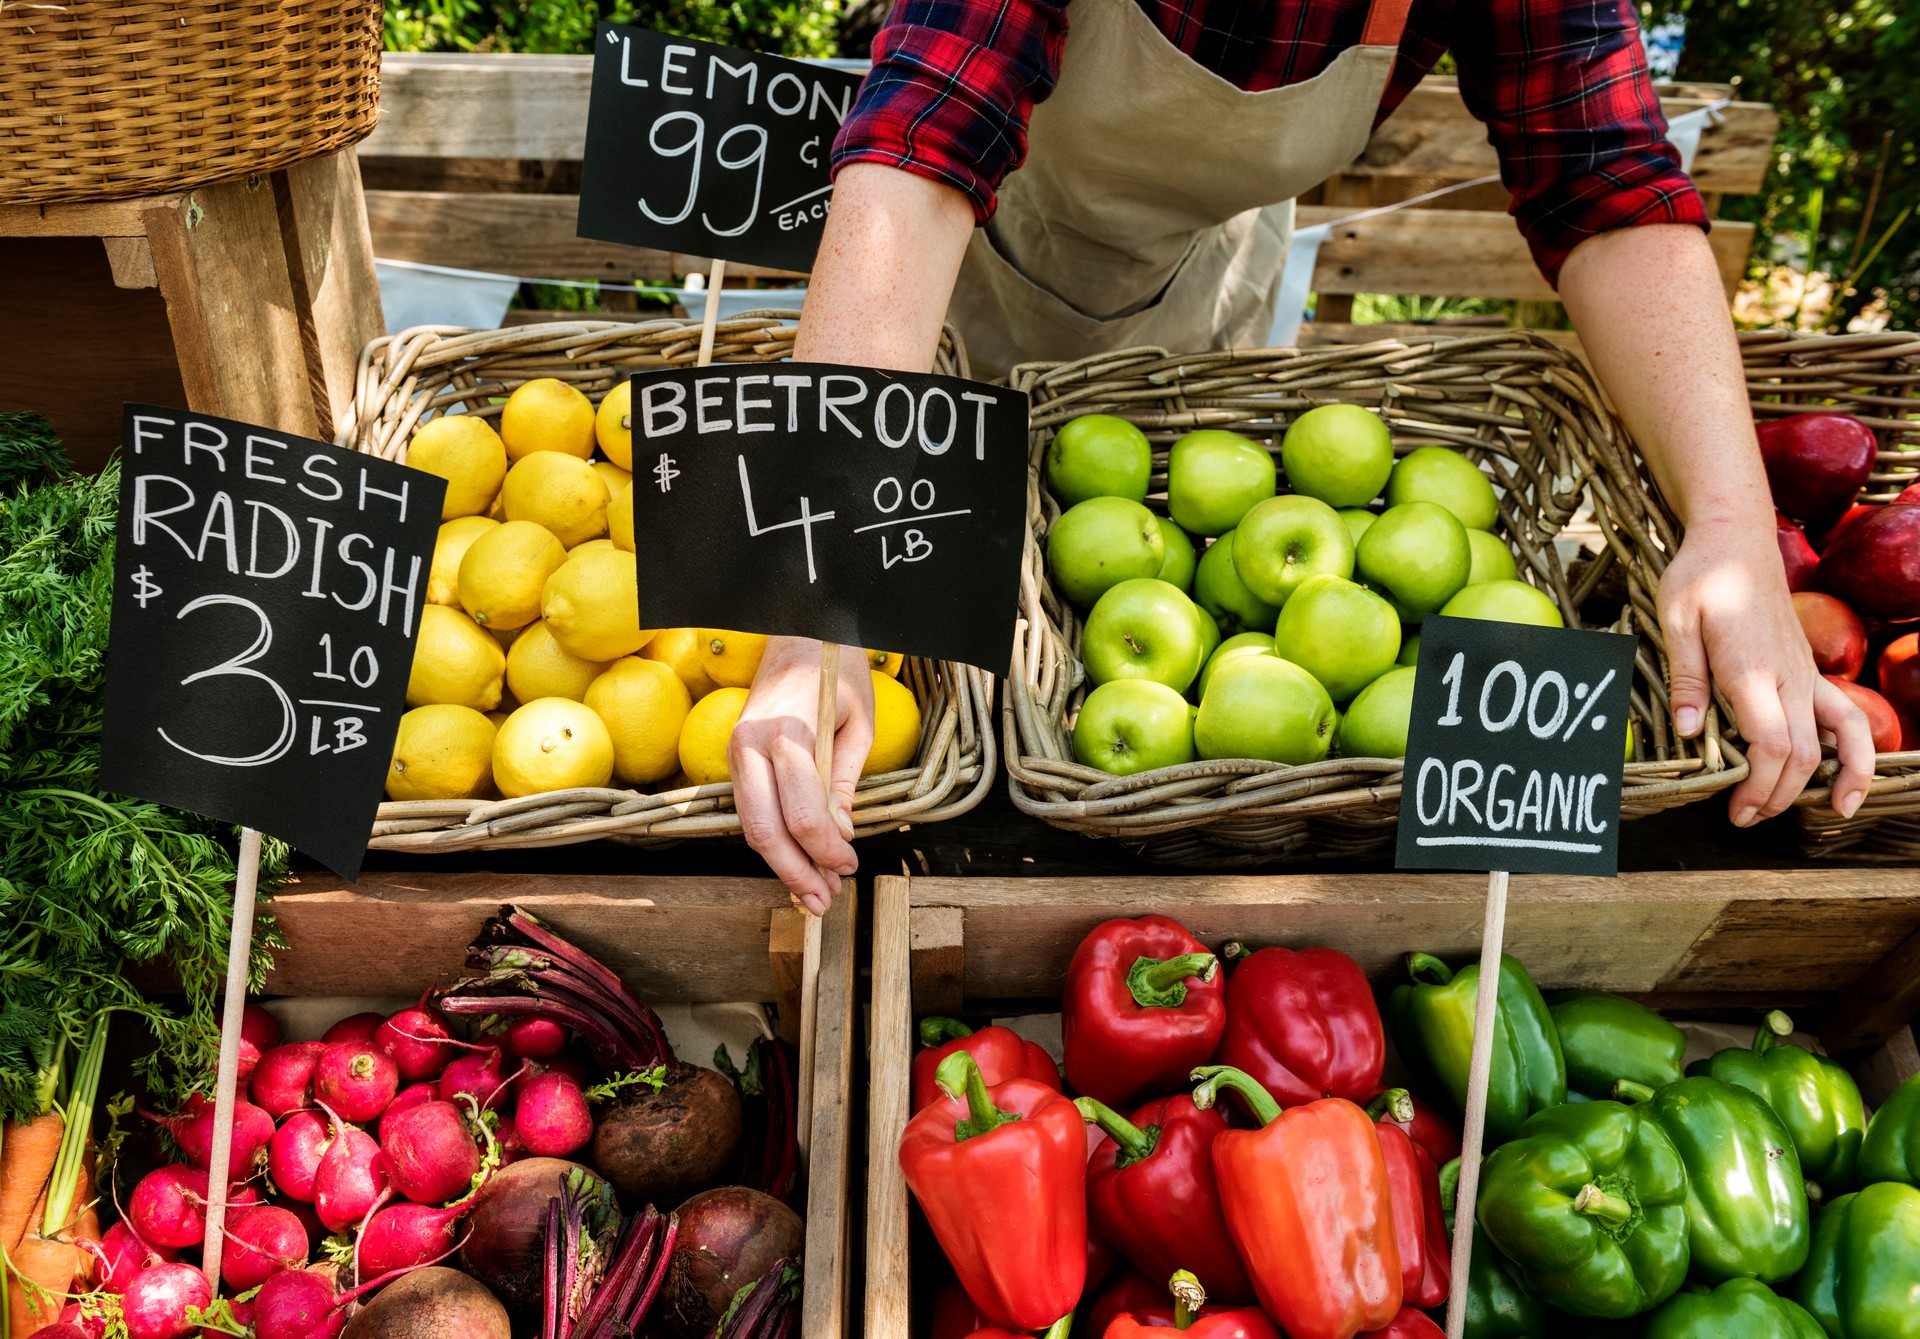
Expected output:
{"points": [[246, 885], [1486, 1004]]}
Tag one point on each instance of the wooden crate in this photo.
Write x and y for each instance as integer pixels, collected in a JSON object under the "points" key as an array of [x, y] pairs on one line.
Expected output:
{"points": [[1840, 948], [676, 940]]}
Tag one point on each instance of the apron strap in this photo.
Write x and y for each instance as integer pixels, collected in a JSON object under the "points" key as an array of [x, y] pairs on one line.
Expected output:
{"points": [[1386, 22]]}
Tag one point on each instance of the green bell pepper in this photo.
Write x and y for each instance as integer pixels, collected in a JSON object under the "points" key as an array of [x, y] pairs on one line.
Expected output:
{"points": [[1605, 1038], [1433, 1029], [1814, 1098], [1498, 1304], [1862, 1279], [1745, 1308], [1891, 1151], [1746, 1200], [1589, 1204]]}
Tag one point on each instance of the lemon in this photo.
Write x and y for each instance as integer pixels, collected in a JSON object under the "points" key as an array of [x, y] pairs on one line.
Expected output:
{"points": [[887, 662], [449, 547], [441, 752], [613, 425], [465, 452], [680, 649], [551, 744], [497, 509], [503, 572], [703, 739], [538, 666], [896, 726], [611, 475], [547, 415], [589, 547], [643, 704], [731, 659], [620, 518], [560, 492], [592, 606], [499, 718], [454, 661]]}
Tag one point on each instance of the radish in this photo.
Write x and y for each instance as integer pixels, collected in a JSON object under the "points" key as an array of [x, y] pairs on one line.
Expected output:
{"points": [[259, 1033], [353, 1177], [477, 1074], [401, 1236], [297, 1304], [66, 1329], [418, 1042], [192, 1129], [354, 1027], [283, 1080], [155, 1304], [355, 1079], [316, 1230], [571, 1065], [263, 1240], [242, 1313], [123, 1254], [534, 1038], [294, 1154], [169, 1207], [432, 1153], [552, 1119], [409, 1097], [507, 1139], [82, 1323]]}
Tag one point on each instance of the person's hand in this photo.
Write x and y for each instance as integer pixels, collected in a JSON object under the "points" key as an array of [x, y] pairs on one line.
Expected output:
{"points": [[1726, 611], [804, 834]]}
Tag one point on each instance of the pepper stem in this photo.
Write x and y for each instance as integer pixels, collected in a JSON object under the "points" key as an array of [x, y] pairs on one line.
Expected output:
{"points": [[1188, 1298], [938, 1030], [1059, 1329], [959, 1076], [1161, 983], [1449, 1185], [1428, 970], [1631, 1092], [1395, 1104], [1135, 1143], [1776, 1026], [1597, 1203], [1213, 1078]]}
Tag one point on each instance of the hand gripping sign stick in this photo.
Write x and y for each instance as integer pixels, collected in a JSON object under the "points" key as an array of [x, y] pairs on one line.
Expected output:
{"points": [[1486, 1003], [227, 1076]]}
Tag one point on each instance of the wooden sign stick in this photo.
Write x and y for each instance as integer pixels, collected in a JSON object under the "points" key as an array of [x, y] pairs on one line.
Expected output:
{"points": [[716, 280], [1486, 1006], [227, 1075]]}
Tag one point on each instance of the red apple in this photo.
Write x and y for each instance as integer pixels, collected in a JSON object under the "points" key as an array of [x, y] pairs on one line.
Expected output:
{"points": [[1795, 552], [1874, 564], [1898, 673], [1882, 719], [1816, 462], [1911, 493], [1847, 518], [1835, 632], [1909, 732]]}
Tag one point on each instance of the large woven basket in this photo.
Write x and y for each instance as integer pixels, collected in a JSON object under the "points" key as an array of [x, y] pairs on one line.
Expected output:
{"points": [[406, 378], [1514, 403], [1876, 378], [106, 99]]}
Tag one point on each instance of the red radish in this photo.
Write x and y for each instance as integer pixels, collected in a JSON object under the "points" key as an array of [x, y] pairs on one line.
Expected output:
{"points": [[418, 1042], [155, 1304], [477, 1074], [283, 1080], [552, 1119], [316, 1230], [169, 1207], [353, 1177], [295, 1151], [242, 1314], [507, 1138], [297, 1304], [354, 1027], [432, 1153], [124, 1254], [535, 1038], [259, 1033], [355, 1079], [192, 1129], [262, 1241], [73, 1314], [401, 1236], [409, 1097], [62, 1329]]}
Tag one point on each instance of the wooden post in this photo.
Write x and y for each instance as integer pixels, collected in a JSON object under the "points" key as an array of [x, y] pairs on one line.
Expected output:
{"points": [[227, 1075], [1486, 1006], [716, 280]]}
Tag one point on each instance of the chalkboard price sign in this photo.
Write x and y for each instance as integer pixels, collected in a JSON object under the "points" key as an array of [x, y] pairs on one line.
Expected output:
{"points": [[880, 509], [1516, 750], [707, 149], [267, 589]]}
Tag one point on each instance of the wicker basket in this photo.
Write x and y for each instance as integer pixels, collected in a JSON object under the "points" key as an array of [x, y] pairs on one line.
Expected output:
{"points": [[1514, 403], [106, 99], [408, 377], [1876, 378]]}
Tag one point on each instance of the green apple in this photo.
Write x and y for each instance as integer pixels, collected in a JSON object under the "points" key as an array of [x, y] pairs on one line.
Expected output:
{"points": [[1505, 602], [1284, 540], [1409, 648], [1177, 569], [1144, 629], [1492, 559], [1357, 519], [1213, 477], [1098, 455], [1240, 644], [1438, 474], [1417, 556], [1377, 721], [1264, 707], [1209, 634], [1101, 542], [1341, 633], [1217, 588], [1133, 725], [1339, 453]]}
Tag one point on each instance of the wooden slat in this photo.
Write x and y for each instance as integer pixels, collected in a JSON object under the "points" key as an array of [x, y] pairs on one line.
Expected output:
{"points": [[939, 960], [1888, 1067], [98, 218], [131, 260], [1880, 1001], [1802, 942], [890, 1058], [323, 226], [823, 1305]]}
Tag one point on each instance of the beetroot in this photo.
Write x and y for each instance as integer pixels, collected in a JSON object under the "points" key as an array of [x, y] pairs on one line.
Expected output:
{"points": [[354, 1027], [283, 1080], [432, 1153], [192, 1129], [169, 1207], [295, 1151], [534, 1038], [409, 1097], [353, 1177], [155, 1304], [728, 1238], [296, 1304], [262, 1240], [477, 1074], [418, 1043], [355, 1079], [124, 1254], [401, 1236], [658, 1147], [505, 1245], [552, 1119], [431, 1304]]}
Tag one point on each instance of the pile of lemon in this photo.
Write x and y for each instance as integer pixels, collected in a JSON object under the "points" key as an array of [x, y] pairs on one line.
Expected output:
{"points": [[532, 672]]}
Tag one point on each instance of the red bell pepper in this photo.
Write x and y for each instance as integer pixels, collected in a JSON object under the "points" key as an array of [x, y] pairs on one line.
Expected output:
{"points": [[1103, 1262], [955, 1316], [1409, 1324], [1192, 1316], [1002, 1176], [1307, 1200], [1419, 1225], [1141, 1008], [1428, 1128], [1000, 1053], [1305, 1025], [1150, 1191]]}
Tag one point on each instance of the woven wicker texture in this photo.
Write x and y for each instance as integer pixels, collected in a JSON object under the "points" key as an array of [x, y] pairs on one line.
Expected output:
{"points": [[108, 99], [1515, 404], [407, 378]]}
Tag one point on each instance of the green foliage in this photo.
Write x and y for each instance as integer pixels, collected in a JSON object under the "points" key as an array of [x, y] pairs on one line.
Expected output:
{"points": [[785, 27]]}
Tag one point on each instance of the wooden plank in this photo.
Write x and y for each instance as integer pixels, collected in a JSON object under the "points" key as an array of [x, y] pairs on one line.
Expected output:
{"points": [[1879, 1004], [939, 960], [1888, 1067], [1808, 943], [131, 260], [96, 218], [823, 1303], [323, 226], [785, 954], [890, 1059]]}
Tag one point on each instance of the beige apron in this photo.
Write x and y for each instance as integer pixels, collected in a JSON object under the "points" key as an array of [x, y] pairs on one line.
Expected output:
{"points": [[1156, 201]]}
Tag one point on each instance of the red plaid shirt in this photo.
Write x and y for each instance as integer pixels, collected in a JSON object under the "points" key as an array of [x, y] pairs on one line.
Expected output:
{"points": [[1562, 86]]}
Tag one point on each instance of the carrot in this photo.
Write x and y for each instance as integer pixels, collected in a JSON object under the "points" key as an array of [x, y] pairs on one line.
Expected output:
{"points": [[26, 1162]]}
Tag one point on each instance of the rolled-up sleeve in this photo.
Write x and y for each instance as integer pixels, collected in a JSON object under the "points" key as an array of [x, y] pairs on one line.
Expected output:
{"points": [[1563, 88], [952, 87]]}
